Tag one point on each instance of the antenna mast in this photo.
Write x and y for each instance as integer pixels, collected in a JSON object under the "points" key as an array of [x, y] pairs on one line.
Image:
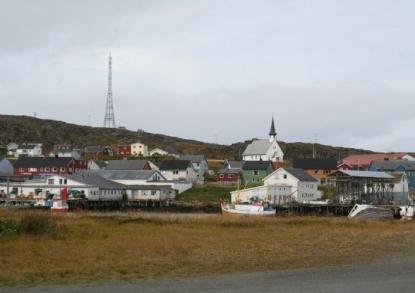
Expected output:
{"points": [[109, 119]]}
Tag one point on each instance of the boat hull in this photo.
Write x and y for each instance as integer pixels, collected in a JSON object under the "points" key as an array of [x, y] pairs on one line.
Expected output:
{"points": [[369, 212], [256, 211]]}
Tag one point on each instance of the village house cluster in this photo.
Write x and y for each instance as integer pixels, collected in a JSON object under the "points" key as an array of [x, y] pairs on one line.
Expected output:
{"points": [[129, 172]]}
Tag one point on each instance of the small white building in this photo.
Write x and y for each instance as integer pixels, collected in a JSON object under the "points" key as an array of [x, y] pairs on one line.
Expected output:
{"points": [[158, 152], [66, 151], [11, 149], [275, 194], [139, 149], [264, 149], [304, 188], [29, 150], [179, 170]]}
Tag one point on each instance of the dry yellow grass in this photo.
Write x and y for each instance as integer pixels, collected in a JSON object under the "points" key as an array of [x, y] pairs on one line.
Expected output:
{"points": [[124, 247]]}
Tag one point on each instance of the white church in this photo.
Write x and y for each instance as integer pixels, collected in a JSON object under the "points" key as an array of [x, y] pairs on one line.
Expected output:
{"points": [[264, 149]]}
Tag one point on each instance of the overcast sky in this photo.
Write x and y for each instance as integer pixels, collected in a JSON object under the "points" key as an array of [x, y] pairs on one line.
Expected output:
{"points": [[203, 69]]}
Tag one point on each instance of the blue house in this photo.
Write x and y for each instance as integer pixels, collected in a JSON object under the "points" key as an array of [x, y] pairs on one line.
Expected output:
{"points": [[396, 166]]}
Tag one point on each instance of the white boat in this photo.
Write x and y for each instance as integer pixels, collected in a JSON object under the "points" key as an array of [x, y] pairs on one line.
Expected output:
{"points": [[407, 212], [263, 210], [366, 211]]}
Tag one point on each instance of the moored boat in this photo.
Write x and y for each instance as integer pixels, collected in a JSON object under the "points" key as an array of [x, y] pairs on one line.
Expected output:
{"points": [[262, 209], [366, 211]]}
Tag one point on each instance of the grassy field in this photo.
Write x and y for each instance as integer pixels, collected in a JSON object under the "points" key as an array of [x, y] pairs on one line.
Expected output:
{"points": [[103, 247], [207, 193]]}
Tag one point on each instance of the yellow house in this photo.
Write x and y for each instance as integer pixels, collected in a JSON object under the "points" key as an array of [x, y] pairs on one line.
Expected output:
{"points": [[139, 149]]}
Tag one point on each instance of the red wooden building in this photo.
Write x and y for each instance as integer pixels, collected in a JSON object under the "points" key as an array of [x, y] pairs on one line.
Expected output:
{"points": [[124, 150], [29, 166], [229, 176]]}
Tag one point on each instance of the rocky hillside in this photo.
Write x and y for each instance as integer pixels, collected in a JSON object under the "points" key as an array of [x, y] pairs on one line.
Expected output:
{"points": [[29, 129]]}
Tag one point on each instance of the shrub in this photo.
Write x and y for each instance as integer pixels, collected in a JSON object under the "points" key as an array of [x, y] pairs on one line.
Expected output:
{"points": [[8, 227], [38, 225]]}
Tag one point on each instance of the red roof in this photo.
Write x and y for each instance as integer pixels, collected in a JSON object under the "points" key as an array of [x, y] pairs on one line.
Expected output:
{"points": [[366, 159]]}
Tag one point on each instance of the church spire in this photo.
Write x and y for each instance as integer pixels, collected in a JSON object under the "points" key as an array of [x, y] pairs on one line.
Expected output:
{"points": [[272, 132]]}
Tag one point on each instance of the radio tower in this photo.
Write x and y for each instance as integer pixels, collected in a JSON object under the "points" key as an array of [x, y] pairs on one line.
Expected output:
{"points": [[109, 119]]}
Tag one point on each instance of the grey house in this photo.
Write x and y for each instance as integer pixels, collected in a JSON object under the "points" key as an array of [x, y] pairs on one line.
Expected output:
{"points": [[199, 164]]}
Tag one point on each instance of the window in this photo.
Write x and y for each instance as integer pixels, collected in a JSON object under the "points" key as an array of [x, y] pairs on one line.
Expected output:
{"points": [[315, 171], [54, 169], [175, 172], [51, 181], [221, 176], [63, 169], [60, 181], [255, 173], [153, 192], [65, 181], [47, 169], [285, 176]]}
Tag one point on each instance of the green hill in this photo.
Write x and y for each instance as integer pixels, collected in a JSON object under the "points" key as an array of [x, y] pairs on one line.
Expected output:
{"points": [[29, 129]]}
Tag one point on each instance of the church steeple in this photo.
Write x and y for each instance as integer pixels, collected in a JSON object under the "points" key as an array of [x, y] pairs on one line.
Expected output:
{"points": [[272, 132]]}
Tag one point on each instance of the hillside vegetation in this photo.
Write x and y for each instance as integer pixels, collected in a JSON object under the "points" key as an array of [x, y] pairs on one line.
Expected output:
{"points": [[29, 129]]}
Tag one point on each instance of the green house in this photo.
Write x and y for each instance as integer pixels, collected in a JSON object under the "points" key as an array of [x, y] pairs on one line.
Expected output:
{"points": [[254, 171]]}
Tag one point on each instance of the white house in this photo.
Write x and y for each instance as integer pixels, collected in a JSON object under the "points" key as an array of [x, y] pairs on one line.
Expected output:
{"points": [[304, 188], [158, 152], [179, 170], [29, 150], [66, 151], [143, 177], [275, 194], [139, 149], [11, 149], [264, 149], [92, 187], [400, 187]]}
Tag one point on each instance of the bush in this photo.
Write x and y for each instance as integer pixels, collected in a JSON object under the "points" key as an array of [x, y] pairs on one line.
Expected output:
{"points": [[38, 225], [8, 227]]}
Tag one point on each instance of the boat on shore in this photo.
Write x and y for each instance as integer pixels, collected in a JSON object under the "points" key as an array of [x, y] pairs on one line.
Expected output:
{"points": [[258, 209], [369, 212]]}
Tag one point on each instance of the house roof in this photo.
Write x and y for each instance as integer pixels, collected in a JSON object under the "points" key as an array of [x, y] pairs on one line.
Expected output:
{"points": [[235, 164], [366, 159], [125, 174], [175, 165], [256, 165], [365, 174], [95, 180], [397, 176], [229, 171], [28, 146], [38, 162], [257, 147], [392, 165], [126, 165], [315, 164], [300, 174], [94, 149], [100, 163], [193, 158]]}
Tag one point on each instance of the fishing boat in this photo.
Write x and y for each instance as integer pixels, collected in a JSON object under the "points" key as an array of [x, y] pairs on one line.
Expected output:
{"points": [[407, 212], [366, 212], [258, 209]]}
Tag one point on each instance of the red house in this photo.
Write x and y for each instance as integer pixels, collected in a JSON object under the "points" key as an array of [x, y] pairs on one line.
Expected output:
{"points": [[29, 166], [124, 150], [97, 152], [229, 176]]}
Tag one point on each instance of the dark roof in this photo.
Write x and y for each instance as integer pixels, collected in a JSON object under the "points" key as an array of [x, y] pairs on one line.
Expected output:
{"points": [[234, 164], [126, 165], [38, 162], [95, 180], [28, 146], [256, 165], [300, 174], [193, 158], [175, 165], [392, 165], [315, 164], [272, 130], [229, 171], [94, 149]]}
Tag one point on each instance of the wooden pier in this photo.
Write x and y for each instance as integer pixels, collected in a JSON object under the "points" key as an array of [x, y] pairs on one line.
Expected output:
{"points": [[313, 209]]}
